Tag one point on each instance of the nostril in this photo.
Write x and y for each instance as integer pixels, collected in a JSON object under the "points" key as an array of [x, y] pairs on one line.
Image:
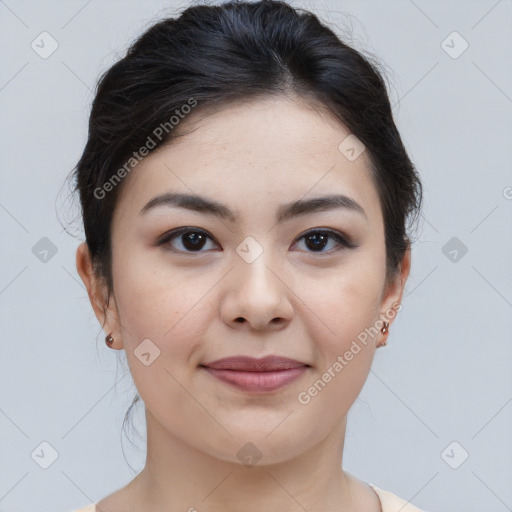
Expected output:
{"points": [[239, 319]]}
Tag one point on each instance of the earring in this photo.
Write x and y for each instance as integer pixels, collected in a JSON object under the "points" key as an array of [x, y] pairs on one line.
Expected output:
{"points": [[385, 331], [109, 340]]}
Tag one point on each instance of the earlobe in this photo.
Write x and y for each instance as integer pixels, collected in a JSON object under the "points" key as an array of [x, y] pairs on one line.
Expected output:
{"points": [[95, 289], [396, 288], [86, 272], [391, 302]]}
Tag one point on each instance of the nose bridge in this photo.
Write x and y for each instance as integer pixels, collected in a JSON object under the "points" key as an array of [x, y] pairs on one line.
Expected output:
{"points": [[256, 293], [255, 263]]}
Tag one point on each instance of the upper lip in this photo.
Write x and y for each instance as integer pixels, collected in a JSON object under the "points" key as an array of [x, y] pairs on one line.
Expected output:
{"points": [[251, 364]]}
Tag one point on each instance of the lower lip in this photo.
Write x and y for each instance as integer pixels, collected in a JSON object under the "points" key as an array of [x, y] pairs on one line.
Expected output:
{"points": [[257, 382]]}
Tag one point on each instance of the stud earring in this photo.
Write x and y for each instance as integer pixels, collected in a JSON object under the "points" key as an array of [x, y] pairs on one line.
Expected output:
{"points": [[385, 331], [109, 340]]}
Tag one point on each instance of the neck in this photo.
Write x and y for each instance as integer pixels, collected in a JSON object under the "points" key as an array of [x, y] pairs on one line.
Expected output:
{"points": [[178, 476]]}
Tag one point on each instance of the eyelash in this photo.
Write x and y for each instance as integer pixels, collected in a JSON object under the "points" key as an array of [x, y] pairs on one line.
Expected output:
{"points": [[166, 238]]}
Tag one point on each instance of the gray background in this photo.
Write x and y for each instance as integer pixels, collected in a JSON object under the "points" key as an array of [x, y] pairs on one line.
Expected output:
{"points": [[446, 374]]}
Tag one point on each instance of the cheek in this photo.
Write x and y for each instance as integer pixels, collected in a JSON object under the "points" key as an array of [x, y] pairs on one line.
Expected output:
{"points": [[354, 306], [153, 296], [171, 310], [342, 307], [332, 392], [174, 314], [344, 344], [345, 299]]}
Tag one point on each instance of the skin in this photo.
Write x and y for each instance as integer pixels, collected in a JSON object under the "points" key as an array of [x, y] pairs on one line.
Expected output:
{"points": [[295, 302]]}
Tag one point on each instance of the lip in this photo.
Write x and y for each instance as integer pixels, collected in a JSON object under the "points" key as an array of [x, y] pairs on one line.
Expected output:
{"points": [[252, 364], [256, 375]]}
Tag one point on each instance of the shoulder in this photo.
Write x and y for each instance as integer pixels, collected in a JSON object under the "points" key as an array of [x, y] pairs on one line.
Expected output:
{"points": [[392, 503], [88, 508]]}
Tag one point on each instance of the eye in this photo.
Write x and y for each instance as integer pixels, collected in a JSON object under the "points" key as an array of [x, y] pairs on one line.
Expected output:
{"points": [[316, 240], [189, 239]]}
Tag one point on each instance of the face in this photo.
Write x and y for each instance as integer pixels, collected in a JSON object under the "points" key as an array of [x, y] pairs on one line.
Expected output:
{"points": [[192, 286]]}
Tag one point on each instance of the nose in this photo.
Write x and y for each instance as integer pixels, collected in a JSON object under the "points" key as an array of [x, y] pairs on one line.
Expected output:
{"points": [[257, 297]]}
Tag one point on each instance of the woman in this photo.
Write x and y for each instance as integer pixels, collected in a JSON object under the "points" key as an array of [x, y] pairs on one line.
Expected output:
{"points": [[245, 197]]}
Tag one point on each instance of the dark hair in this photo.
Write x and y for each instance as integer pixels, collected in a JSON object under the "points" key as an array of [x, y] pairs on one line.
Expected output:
{"points": [[216, 55]]}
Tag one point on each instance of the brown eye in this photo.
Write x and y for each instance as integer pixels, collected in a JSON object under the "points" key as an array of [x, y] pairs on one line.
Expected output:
{"points": [[318, 240], [190, 240], [186, 240]]}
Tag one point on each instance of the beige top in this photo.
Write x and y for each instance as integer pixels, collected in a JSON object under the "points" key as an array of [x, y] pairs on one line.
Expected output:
{"points": [[389, 503]]}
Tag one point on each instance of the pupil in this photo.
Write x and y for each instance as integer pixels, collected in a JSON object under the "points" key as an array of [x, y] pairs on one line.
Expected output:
{"points": [[193, 240], [320, 240]]}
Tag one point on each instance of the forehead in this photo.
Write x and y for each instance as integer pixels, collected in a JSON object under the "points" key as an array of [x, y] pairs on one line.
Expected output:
{"points": [[270, 150]]}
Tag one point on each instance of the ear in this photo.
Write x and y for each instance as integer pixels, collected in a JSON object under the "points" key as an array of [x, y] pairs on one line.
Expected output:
{"points": [[393, 293], [97, 290]]}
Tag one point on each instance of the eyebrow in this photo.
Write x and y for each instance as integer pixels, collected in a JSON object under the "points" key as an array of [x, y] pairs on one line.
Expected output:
{"points": [[285, 211]]}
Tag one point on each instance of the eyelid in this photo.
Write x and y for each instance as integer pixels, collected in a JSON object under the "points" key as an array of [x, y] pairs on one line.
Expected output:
{"points": [[173, 233], [342, 239], [339, 236]]}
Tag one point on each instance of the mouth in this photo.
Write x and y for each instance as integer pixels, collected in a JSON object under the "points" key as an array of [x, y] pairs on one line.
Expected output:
{"points": [[252, 375]]}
